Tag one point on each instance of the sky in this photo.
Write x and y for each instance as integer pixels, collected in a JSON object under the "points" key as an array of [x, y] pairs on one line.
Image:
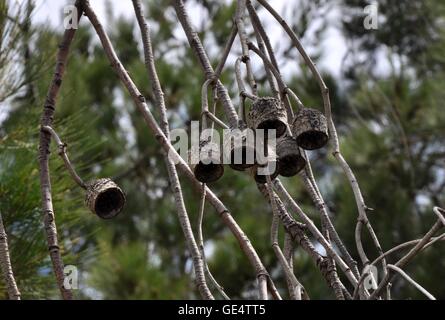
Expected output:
{"points": [[51, 11]]}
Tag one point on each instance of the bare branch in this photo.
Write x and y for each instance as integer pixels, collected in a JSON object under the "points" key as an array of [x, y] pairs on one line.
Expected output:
{"points": [[44, 151], [296, 287], [197, 257], [198, 49], [63, 154], [315, 232], [5, 264], [201, 245], [410, 255], [410, 280], [239, 18], [141, 104]]}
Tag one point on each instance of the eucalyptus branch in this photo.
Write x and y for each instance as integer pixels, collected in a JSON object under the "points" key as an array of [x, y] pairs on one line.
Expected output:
{"points": [[44, 151], [63, 154], [281, 85], [258, 35], [201, 245], [297, 231], [319, 203], [315, 232], [141, 104], [215, 119], [410, 255], [226, 52], [410, 280], [200, 53], [5, 265], [197, 257], [362, 208], [239, 18], [395, 249], [239, 81], [296, 287]]}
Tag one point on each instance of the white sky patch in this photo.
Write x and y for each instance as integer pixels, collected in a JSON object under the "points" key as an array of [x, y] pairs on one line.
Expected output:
{"points": [[51, 12]]}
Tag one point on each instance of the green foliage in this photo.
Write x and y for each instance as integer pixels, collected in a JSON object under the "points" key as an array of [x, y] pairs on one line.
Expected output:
{"points": [[391, 130]]}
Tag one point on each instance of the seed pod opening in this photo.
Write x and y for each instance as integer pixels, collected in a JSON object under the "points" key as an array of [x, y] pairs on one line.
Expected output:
{"points": [[239, 148], [104, 198], [289, 158], [205, 162], [261, 177], [310, 128], [268, 113], [267, 166]]}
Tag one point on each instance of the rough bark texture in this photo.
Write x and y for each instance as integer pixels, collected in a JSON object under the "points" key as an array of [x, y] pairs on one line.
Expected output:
{"points": [[104, 198], [5, 265], [290, 161], [310, 128], [198, 49], [172, 173], [206, 162], [44, 152], [240, 149], [268, 113]]}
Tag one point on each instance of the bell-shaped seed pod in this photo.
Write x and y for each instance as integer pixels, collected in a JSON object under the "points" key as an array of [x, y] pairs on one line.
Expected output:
{"points": [[268, 113], [267, 166], [259, 176], [104, 198], [239, 148], [310, 129], [205, 162], [290, 161]]}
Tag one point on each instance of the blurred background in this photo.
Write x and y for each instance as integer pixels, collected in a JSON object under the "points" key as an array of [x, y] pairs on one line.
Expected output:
{"points": [[388, 98]]}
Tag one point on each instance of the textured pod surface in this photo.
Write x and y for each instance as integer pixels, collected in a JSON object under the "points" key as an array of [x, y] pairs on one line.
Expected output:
{"points": [[104, 198], [267, 165], [310, 129], [205, 162], [289, 158], [268, 113], [239, 149], [259, 177]]}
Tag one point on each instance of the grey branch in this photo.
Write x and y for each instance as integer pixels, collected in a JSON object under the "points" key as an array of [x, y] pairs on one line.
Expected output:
{"points": [[5, 264], [197, 257], [44, 151], [410, 280], [63, 154]]}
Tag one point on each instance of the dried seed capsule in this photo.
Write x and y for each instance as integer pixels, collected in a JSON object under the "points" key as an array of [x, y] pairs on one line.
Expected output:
{"points": [[239, 148], [268, 113], [266, 166], [310, 128], [104, 198], [289, 158], [205, 162]]}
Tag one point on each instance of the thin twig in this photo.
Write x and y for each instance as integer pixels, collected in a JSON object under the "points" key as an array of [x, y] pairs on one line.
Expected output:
{"points": [[197, 258], [226, 52], [44, 151], [362, 208], [63, 154], [239, 19], [201, 245], [410, 280], [395, 249], [198, 49], [315, 232], [296, 287], [141, 104], [239, 81], [5, 264], [409, 256]]}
